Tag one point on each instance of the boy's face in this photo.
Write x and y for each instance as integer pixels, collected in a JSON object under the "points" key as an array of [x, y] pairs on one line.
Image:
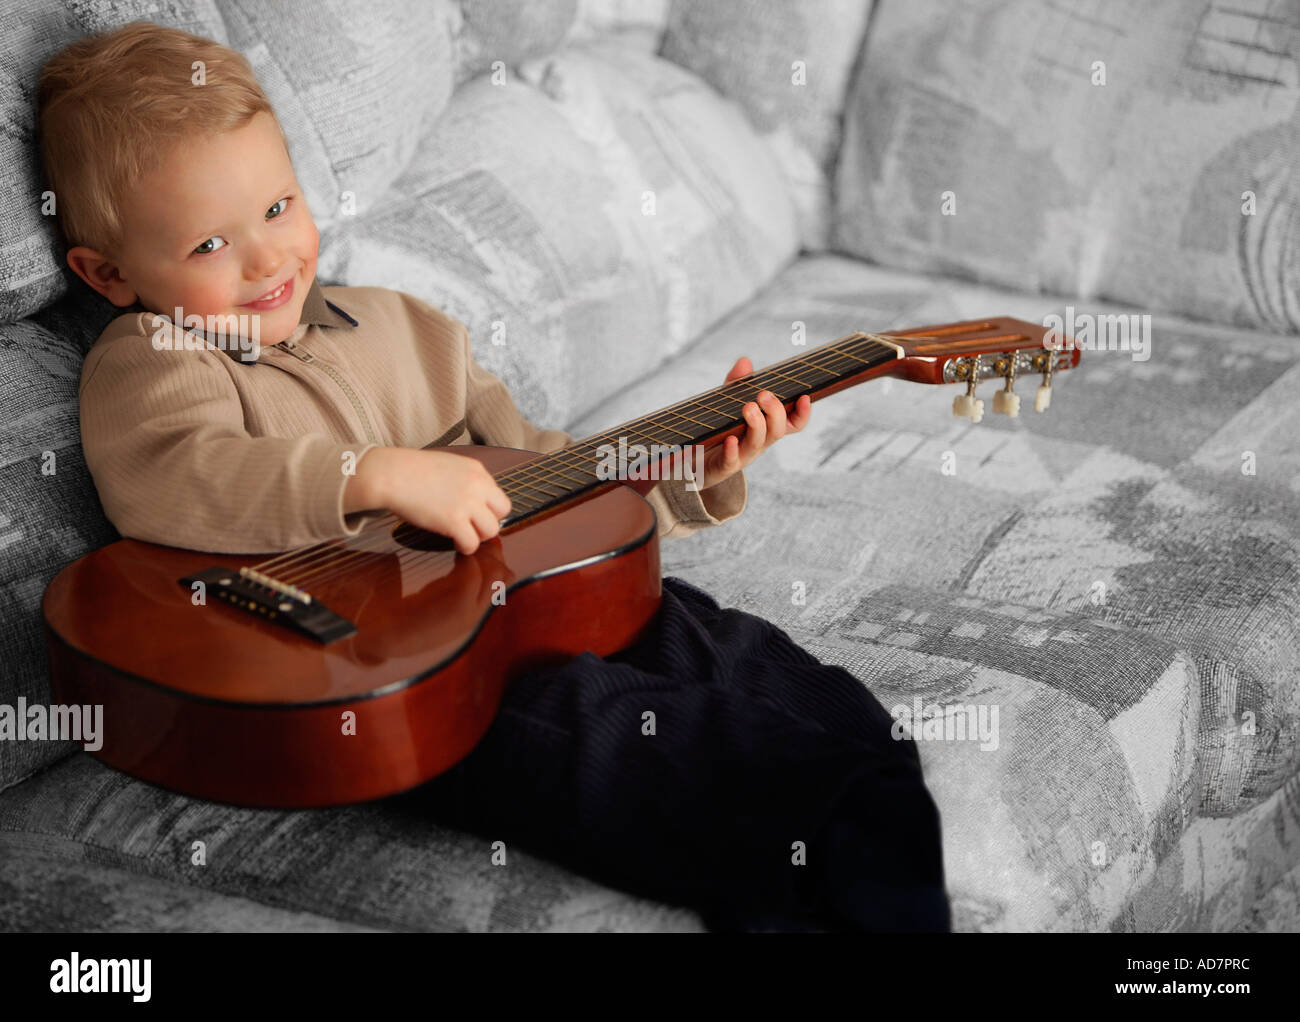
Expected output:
{"points": [[221, 224]]}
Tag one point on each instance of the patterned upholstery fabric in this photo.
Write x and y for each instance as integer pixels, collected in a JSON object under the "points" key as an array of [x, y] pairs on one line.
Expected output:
{"points": [[31, 267], [382, 865], [64, 887], [788, 66], [1134, 190], [1146, 772], [509, 31], [355, 94], [49, 511], [593, 216], [639, 21], [619, 209]]}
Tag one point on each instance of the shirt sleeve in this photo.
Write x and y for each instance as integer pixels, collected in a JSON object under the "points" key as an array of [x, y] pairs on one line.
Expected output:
{"points": [[164, 439], [493, 419]]}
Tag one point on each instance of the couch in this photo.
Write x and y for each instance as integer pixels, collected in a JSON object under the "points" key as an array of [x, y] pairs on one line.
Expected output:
{"points": [[619, 198]]}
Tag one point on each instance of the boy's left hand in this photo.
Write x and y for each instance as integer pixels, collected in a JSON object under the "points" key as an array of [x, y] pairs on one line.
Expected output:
{"points": [[767, 423]]}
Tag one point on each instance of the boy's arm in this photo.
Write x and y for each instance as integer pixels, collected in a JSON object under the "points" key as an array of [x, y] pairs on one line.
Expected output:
{"points": [[164, 439], [493, 419]]}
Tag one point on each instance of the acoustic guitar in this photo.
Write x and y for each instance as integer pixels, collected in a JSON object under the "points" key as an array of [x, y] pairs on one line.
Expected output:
{"points": [[358, 668]]}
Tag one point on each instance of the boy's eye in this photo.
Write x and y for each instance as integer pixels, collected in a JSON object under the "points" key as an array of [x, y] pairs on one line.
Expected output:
{"points": [[271, 214]]}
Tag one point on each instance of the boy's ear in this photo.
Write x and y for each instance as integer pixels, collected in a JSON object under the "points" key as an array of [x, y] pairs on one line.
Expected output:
{"points": [[102, 274]]}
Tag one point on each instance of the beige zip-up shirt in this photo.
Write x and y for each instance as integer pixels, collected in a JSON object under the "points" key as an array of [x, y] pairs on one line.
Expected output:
{"points": [[196, 446]]}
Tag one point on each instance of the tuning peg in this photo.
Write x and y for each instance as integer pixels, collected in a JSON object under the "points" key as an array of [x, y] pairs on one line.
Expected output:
{"points": [[968, 406], [1044, 396], [1007, 402]]}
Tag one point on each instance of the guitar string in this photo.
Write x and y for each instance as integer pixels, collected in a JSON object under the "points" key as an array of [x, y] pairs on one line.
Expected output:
{"points": [[539, 474], [308, 566]]}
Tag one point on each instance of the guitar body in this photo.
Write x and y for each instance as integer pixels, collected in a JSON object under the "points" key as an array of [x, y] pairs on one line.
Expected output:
{"points": [[213, 701]]}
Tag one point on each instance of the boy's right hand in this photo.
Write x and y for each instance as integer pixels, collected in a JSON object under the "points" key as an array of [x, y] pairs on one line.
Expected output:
{"points": [[449, 494]]}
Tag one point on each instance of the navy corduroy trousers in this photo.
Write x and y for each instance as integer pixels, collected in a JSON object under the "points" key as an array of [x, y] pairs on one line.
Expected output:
{"points": [[715, 765]]}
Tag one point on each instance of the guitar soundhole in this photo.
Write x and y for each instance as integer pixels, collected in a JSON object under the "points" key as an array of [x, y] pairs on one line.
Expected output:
{"points": [[421, 539]]}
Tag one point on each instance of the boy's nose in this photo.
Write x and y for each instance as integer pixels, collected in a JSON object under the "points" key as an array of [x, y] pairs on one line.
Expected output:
{"points": [[266, 264]]}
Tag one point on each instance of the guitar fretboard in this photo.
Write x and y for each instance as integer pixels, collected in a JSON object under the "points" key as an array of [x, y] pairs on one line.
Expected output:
{"points": [[562, 475]]}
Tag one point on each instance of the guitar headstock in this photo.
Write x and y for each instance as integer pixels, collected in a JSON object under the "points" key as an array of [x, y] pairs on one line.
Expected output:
{"points": [[984, 349]]}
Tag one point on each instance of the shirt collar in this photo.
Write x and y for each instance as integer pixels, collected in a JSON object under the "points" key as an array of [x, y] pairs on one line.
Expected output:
{"points": [[317, 310]]}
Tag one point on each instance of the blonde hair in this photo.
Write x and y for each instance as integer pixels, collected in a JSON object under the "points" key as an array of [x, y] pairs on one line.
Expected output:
{"points": [[111, 106]]}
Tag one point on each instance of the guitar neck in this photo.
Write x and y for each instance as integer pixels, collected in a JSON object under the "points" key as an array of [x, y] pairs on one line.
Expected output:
{"points": [[704, 419]]}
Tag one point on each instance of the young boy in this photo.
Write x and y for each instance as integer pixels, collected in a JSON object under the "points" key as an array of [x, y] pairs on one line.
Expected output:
{"points": [[286, 414]]}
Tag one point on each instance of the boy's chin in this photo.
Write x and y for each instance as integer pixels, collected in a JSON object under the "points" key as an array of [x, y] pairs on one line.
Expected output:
{"points": [[274, 326]]}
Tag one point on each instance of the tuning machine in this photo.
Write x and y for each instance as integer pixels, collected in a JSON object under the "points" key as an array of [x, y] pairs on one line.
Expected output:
{"points": [[1006, 401], [968, 406], [1042, 362]]}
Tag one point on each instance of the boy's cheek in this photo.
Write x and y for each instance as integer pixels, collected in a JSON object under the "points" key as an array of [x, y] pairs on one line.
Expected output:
{"points": [[205, 300]]}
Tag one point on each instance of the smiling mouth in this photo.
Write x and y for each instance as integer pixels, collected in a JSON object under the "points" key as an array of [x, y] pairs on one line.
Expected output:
{"points": [[272, 294], [275, 293], [272, 297]]}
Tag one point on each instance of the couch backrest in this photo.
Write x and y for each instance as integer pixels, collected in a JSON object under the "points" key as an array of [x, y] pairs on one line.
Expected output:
{"points": [[1143, 153], [788, 66], [353, 85]]}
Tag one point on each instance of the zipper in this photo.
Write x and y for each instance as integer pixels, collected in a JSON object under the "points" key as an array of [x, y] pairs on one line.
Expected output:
{"points": [[307, 358]]}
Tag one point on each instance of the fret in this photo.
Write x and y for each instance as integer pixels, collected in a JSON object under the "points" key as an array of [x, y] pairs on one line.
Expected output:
{"points": [[698, 422], [689, 436], [791, 378]]}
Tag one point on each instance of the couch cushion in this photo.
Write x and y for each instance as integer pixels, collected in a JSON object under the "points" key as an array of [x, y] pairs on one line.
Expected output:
{"points": [[354, 94], [49, 511], [1104, 574], [787, 66], [639, 22], [1238, 872], [509, 31], [586, 220], [385, 864], [31, 266], [56, 885], [1134, 190]]}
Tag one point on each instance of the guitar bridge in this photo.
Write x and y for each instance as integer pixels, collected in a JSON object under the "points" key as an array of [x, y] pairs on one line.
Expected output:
{"points": [[267, 598]]}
